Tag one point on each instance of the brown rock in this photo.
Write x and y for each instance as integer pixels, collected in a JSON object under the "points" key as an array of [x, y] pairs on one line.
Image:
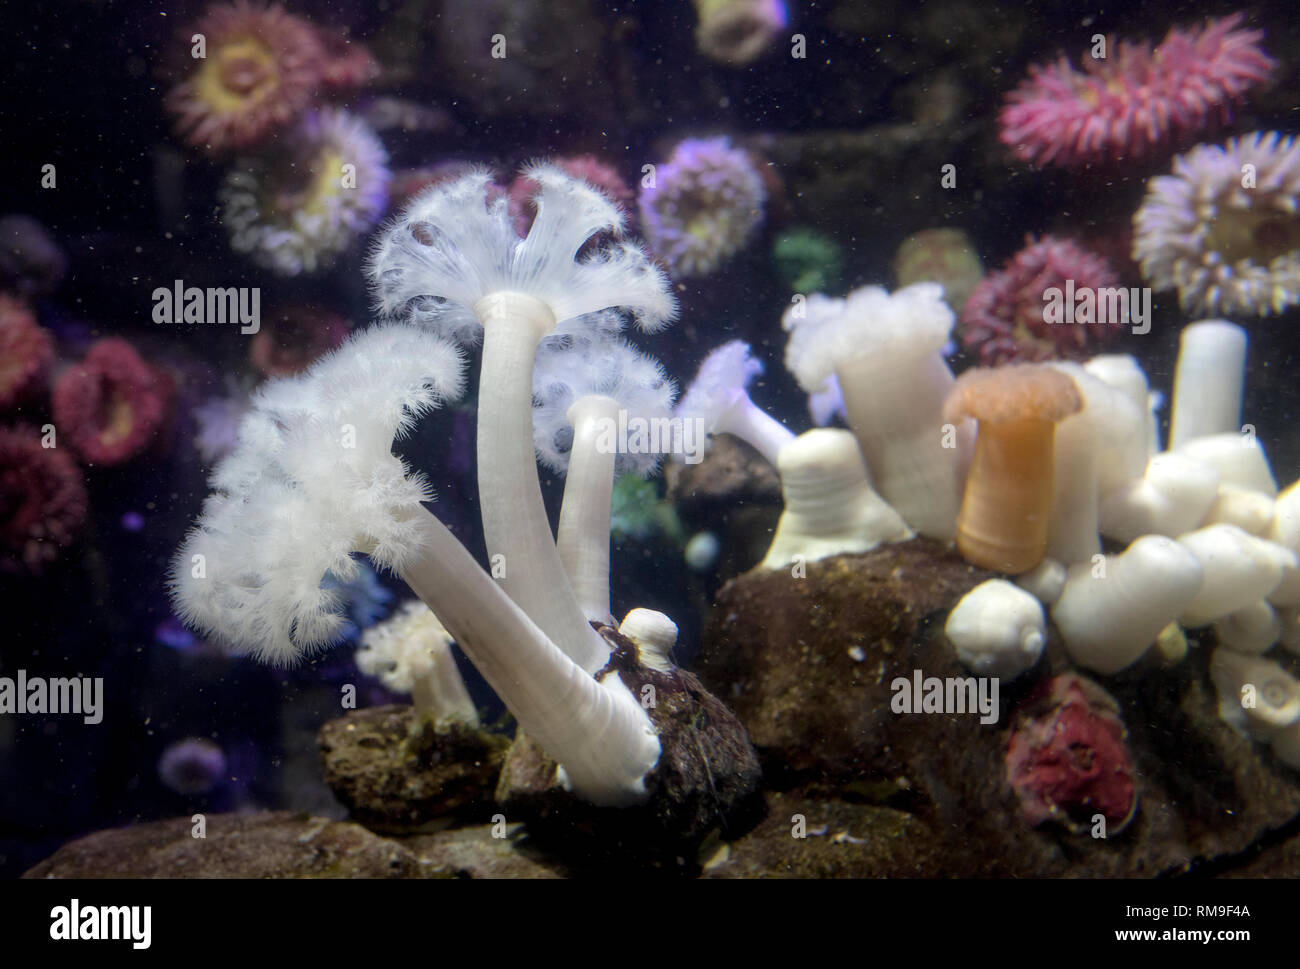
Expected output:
{"points": [[778, 651], [483, 851], [732, 472], [707, 778], [274, 844], [397, 775], [836, 839], [285, 844]]}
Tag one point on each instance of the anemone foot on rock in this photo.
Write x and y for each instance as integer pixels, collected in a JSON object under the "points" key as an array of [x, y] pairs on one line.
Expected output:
{"points": [[707, 779]]}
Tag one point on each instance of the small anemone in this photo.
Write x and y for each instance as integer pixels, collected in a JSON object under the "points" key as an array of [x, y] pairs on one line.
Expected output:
{"points": [[261, 67], [703, 206], [1228, 247], [294, 212]]}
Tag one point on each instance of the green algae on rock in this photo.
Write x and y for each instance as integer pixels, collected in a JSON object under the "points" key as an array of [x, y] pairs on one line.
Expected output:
{"points": [[396, 774]]}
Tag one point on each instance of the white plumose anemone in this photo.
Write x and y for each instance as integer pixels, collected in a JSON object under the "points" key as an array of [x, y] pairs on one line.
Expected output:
{"points": [[311, 482], [314, 481], [830, 506], [410, 652], [1209, 381], [1110, 613], [1239, 569], [583, 392], [886, 352], [452, 261], [719, 397]]}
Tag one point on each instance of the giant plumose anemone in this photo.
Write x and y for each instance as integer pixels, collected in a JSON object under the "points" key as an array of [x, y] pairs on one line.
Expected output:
{"points": [[313, 483]]}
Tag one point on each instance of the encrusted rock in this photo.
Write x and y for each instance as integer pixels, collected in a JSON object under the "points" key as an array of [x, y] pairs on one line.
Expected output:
{"points": [[809, 664], [732, 472], [274, 844], [707, 779], [397, 774], [808, 838]]}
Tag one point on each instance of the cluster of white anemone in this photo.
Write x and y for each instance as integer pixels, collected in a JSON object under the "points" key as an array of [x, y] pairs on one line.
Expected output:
{"points": [[1209, 541], [313, 480], [890, 477]]}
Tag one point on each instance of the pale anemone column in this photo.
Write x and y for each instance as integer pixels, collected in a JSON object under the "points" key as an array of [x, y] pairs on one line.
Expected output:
{"points": [[1097, 452], [830, 506], [719, 397], [887, 353], [587, 395], [1208, 381], [452, 260], [411, 653], [1110, 614]]}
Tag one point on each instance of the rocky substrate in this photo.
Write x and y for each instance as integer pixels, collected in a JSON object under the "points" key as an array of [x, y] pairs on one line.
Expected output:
{"points": [[851, 787], [396, 774], [808, 665]]}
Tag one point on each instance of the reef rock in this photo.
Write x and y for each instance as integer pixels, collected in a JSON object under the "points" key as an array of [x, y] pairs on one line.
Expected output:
{"points": [[810, 666], [397, 775], [285, 844], [273, 844], [706, 781], [732, 472]]}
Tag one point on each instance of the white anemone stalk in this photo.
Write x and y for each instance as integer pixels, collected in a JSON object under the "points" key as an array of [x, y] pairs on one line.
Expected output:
{"points": [[1172, 497], [1252, 630], [1208, 381], [452, 261], [719, 397], [1239, 459], [587, 395], [1111, 612], [1122, 371], [410, 652], [1096, 452], [314, 481], [1045, 581], [830, 506], [887, 354], [1284, 530], [1239, 569], [1248, 509]]}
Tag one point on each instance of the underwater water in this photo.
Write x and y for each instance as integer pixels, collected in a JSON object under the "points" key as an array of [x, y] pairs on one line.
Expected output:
{"points": [[741, 438]]}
